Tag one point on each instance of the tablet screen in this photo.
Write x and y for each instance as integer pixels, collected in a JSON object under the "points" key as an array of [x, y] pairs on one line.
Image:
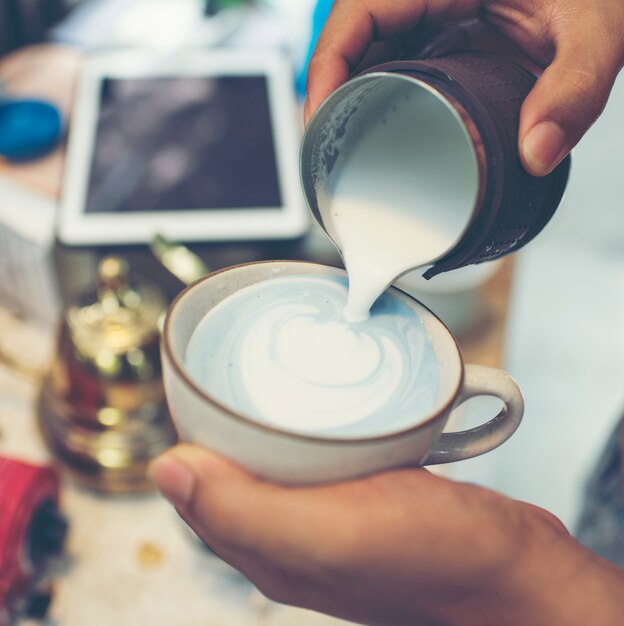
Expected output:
{"points": [[190, 143]]}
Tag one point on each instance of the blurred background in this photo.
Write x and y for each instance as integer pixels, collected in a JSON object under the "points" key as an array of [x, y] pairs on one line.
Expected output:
{"points": [[81, 403]]}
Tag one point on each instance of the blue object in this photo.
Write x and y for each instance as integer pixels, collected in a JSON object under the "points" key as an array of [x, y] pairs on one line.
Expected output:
{"points": [[28, 128], [321, 13]]}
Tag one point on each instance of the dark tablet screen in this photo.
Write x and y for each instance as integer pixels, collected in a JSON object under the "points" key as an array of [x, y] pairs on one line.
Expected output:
{"points": [[190, 143]]}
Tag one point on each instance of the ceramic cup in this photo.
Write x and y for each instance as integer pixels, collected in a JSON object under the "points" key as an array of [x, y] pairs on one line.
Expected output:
{"points": [[283, 456]]}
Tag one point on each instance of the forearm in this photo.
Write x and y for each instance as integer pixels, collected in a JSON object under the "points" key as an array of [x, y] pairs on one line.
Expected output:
{"points": [[552, 580], [589, 592], [565, 583]]}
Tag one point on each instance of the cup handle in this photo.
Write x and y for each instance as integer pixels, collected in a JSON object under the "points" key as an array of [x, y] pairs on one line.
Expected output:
{"points": [[481, 381]]}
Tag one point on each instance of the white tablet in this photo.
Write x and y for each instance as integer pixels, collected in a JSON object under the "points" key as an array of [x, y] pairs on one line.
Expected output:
{"points": [[200, 146]]}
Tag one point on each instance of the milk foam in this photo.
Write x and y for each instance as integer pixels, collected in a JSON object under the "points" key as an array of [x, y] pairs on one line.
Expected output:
{"points": [[280, 351]]}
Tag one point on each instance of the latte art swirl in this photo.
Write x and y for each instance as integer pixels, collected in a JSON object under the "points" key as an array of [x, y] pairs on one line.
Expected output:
{"points": [[281, 352]]}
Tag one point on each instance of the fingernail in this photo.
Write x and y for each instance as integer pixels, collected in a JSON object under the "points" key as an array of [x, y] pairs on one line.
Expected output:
{"points": [[174, 479], [543, 146]]}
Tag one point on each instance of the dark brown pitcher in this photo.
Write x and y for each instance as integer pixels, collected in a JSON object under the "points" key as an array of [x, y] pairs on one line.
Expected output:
{"points": [[478, 94]]}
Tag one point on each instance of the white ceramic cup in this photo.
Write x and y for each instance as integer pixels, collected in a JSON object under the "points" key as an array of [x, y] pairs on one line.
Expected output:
{"points": [[287, 457]]}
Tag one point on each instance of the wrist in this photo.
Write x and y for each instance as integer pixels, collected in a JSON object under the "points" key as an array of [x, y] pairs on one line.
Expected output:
{"points": [[556, 580]]}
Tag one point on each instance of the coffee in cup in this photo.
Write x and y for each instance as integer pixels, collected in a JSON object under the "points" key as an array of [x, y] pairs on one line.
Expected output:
{"points": [[282, 352]]}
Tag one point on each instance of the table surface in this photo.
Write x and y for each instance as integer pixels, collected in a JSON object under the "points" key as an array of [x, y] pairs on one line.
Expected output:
{"points": [[130, 559]]}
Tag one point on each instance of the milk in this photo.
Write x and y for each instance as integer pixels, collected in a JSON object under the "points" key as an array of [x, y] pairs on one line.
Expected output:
{"points": [[281, 352], [402, 197]]}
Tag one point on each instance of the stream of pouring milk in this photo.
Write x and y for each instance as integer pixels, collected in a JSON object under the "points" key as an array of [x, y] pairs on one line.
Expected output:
{"points": [[392, 209]]}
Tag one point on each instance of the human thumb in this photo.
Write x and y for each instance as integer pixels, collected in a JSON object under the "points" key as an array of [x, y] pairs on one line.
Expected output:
{"points": [[178, 472], [568, 98], [217, 498]]}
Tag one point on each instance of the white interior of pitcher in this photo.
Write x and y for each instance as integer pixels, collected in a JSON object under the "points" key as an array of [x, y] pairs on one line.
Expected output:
{"points": [[389, 140]]}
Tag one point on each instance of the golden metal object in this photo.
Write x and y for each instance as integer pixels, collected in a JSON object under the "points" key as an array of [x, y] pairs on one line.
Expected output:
{"points": [[184, 264], [102, 408]]}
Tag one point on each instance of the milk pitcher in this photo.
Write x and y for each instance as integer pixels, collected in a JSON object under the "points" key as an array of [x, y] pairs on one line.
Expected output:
{"points": [[449, 151]]}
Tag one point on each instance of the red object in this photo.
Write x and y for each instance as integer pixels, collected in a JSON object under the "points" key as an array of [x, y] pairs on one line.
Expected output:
{"points": [[31, 530]]}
